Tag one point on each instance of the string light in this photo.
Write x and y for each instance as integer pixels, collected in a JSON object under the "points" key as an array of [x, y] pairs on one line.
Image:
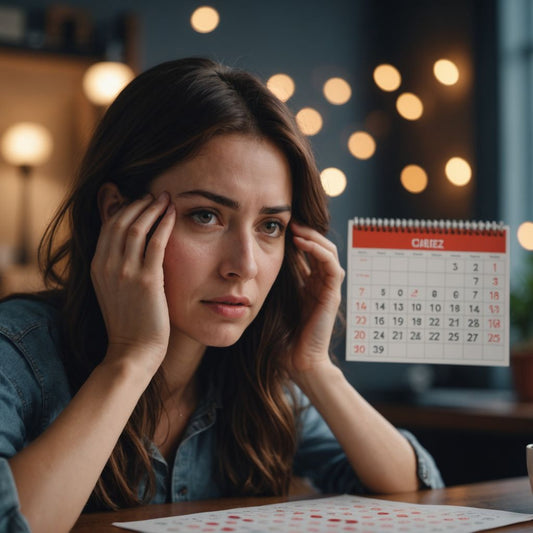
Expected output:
{"points": [[414, 178], [333, 180], [309, 121], [282, 85], [409, 106], [525, 235], [458, 171], [446, 72], [361, 145], [387, 77], [337, 91], [205, 19]]}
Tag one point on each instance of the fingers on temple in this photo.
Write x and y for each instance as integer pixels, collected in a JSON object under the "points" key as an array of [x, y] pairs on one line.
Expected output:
{"points": [[310, 234], [155, 249], [138, 230], [320, 254], [123, 235]]}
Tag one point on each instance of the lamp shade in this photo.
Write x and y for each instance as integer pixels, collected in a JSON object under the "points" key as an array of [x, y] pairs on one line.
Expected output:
{"points": [[26, 144], [103, 81]]}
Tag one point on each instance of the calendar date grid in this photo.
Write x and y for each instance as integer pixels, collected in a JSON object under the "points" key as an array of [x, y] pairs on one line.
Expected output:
{"points": [[427, 307]]}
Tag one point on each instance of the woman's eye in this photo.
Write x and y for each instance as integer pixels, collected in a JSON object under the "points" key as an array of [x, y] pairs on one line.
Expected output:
{"points": [[205, 218], [273, 228]]}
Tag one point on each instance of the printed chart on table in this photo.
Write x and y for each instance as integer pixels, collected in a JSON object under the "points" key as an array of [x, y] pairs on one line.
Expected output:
{"points": [[428, 292], [338, 513]]}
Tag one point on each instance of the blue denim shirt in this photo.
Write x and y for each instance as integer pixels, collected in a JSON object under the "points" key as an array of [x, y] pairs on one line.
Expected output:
{"points": [[34, 389]]}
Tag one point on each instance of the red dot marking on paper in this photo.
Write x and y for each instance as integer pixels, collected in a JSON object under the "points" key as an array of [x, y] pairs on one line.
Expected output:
{"points": [[383, 512], [247, 520], [402, 515], [352, 521], [234, 516], [316, 516], [334, 519], [211, 523]]}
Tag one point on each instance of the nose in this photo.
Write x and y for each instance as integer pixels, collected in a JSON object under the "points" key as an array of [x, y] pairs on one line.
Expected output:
{"points": [[239, 257]]}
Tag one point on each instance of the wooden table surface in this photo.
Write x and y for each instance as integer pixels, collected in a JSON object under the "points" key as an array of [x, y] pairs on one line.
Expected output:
{"points": [[506, 495]]}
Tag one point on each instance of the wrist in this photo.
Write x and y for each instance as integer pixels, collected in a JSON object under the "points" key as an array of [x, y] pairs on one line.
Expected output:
{"points": [[131, 364], [317, 376]]}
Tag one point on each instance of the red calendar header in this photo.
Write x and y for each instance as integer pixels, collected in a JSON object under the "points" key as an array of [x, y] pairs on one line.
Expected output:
{"points": [[429, 240]]}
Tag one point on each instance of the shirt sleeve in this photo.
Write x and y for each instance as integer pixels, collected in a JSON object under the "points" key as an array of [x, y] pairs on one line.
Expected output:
{"points": [[11, 519], [320, 458], [18, 391]]}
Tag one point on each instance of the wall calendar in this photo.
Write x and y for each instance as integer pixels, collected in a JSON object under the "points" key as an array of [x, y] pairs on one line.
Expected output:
{"points": [[424, 291]]}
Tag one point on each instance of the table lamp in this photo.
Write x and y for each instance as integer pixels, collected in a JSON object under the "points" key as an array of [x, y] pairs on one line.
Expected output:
{"points": [[26, 145], [104, 80]]}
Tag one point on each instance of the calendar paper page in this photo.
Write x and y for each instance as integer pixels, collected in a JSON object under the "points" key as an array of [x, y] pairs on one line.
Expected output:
{"points": [[427, 294], [339, 513]]}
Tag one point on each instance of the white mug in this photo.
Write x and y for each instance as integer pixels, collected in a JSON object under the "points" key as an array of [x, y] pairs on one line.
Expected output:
{"points": [[529, 459]]}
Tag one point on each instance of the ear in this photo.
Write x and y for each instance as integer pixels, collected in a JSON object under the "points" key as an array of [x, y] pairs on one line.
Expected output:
{"points": [[110, 200]]}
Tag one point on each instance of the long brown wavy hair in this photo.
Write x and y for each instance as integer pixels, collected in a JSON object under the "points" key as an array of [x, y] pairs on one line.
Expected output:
{"points": [[162, 118]]}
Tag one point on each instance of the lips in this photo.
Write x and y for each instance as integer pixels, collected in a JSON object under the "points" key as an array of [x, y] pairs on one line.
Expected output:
{"points": [[229, 307], [230, 300]]}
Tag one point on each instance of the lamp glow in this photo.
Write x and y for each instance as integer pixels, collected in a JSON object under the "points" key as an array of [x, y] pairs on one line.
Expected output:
{"points": [[103, 81], [26, 144]]}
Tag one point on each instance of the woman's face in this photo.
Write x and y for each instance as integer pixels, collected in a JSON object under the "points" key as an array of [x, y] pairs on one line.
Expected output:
{"points": [[233, 205]]}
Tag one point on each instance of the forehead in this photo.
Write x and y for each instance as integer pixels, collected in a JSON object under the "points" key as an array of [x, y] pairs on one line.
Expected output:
{"points": [[234, 165]]}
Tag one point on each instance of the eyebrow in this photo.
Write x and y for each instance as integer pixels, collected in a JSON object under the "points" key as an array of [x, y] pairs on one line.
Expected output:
{"points": [[232, 204]]}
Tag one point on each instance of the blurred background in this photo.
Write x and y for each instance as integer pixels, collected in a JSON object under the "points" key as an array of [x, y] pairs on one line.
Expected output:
{"points": [[415, 109]]}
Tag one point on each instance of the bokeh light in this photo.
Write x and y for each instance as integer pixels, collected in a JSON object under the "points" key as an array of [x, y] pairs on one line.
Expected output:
{"points": [[282, 85], [414, 178], [409, 106], [525, 235], [333, 181], [205, 19], [337, 91], [446, 72], [387, 77], [361, 145], [309, 121], [458, 171]]}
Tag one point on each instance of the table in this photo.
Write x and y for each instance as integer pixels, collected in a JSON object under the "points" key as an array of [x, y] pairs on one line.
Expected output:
{"points": [[506, 495]]}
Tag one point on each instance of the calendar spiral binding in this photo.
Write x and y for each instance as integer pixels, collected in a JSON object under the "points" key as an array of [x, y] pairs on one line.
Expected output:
{"points": [[442, 226]]}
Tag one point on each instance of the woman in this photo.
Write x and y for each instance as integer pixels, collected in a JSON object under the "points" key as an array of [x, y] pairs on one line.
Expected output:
{"points": [[195, 289]]}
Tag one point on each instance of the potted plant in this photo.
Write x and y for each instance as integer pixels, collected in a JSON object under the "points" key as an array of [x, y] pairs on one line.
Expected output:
{"points": [[521, 317]]}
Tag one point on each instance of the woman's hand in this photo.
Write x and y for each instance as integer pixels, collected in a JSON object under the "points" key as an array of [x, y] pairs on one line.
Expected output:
{"points": [[322, 289], [127, 275]]}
